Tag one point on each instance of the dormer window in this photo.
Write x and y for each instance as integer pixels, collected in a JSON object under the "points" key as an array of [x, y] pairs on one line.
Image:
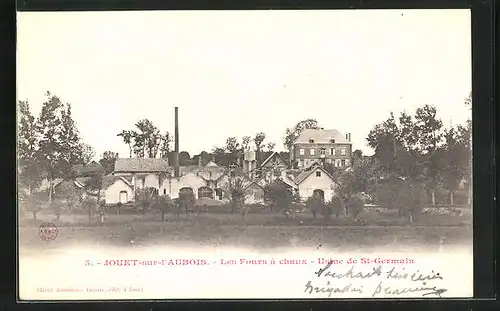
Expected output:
{"points": [[332, 141], [311, 141]]}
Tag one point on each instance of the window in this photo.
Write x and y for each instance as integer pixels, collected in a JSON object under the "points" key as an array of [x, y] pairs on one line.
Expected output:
{"points": [[301, 163], [322, 151], [343, 162], [337, 162], [342, 151], [164, 191], [332, 141], [301, 151], [311, 141], [311, 151], [332, 151], [318, 174]]}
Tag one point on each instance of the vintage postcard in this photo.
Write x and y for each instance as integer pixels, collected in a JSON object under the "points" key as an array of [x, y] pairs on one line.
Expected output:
{"points": [[244, 154]]}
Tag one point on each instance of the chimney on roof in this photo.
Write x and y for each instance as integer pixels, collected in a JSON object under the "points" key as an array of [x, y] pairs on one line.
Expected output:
{"points": [[346, 136], [176, 160], [349, 139]]}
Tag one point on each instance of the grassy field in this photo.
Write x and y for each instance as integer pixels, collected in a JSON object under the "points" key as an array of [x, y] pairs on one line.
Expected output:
{"points": [[258, 230]]}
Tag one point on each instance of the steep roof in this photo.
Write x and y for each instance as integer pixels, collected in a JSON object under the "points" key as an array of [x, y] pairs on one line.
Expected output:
{"points": [[287, 180], [321, 136], [109, 180], [252, 183], [81, 181], [303, 176], [141, 165], [272, 156], [212, 172]]}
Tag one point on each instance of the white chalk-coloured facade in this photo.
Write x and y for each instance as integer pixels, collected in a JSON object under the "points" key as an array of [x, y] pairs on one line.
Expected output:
{"points": [[119, 191], [155, 173], [317, 179]]}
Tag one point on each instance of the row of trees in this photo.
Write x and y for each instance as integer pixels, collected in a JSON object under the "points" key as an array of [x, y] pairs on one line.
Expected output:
{"points": [[419, 148], [411, 150], [48, 145], [232, 152], [145, 140]]}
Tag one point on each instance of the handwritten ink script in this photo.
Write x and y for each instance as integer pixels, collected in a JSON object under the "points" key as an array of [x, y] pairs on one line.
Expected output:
{"points": [[376, 282]]}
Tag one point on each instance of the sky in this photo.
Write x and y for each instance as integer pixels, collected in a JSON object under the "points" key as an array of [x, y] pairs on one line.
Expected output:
{"points": [[237, 73]]}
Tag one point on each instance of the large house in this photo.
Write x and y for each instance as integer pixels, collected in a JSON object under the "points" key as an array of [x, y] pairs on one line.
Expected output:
{"points": [[323, 145]]}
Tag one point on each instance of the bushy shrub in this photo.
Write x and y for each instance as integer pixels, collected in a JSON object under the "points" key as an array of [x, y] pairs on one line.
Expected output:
{"points": [[144, 199], [355, 205], [316, 204], [334, 206], [278, 197], [89, 205], [164, 204], [118, 207], [31, 203], [414, 202], [102, 211], [57, 209], [407, 197], [186, 201]]}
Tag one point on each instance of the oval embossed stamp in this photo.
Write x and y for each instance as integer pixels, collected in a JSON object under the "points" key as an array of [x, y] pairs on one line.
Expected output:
{"points": [[48, 231]]}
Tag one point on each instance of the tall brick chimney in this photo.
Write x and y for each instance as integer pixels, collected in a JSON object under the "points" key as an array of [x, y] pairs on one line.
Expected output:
{"points": [[176, 158]]}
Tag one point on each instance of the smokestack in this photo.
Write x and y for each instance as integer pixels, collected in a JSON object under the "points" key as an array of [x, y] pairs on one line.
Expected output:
{"points": [[346, 136], [349, 136], [199, 161], [176, 160]]}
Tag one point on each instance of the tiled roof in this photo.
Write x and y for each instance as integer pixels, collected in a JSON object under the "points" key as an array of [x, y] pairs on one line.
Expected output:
{"points": [[139, 165], [127, 178], [288, 180], [302, 176], [321, 136], [108, 180]]}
